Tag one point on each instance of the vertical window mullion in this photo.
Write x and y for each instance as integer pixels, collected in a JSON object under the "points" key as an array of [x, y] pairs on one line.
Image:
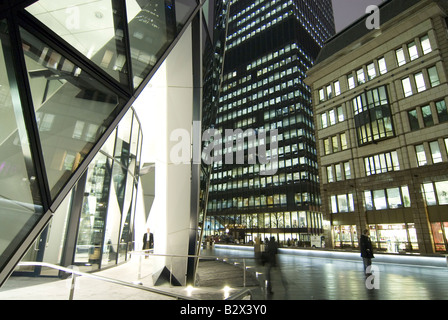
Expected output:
{"points": [[120, 6], [26, 101]]}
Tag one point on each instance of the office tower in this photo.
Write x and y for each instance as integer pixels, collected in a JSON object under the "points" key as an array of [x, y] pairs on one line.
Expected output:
{"points": [[269, 47], [380, 100]]}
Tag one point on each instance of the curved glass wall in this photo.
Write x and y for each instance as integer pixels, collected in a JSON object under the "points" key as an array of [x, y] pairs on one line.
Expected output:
{"points": [[72, 110], [68, 69], [20, 198], [105, 231], [98, 30], [97, 217]]}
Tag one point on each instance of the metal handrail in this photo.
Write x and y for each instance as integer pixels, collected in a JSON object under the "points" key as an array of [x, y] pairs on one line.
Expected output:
{"points": [[75, 273], [240, 295], [150, 252], [93, 276]]}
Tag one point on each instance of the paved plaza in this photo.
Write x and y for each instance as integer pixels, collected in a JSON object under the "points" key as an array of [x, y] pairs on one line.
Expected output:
{"points": [[326, 277], [299, 275]]}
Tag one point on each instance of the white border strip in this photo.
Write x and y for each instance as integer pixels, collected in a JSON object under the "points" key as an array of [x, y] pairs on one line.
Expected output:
{"points": [[412, 260]]}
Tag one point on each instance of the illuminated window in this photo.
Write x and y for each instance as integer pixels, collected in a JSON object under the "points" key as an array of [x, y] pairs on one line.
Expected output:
{"points": [[338, 172], [412, 49], [360, 76], [351, 82], [340, 112], [342, 203], [321, 95], [379, 199], [324, 120], [329, 92], [334, 141], [327, 146], [394, 198], [420, 82], [382, 66], [373, 116], [426, 44], [407, 88], [381, 163], [442, 192], [368, 200], [330, 177], [343, 141], [371, 72], [430, 196], [421, 155], [406, 196], [401, 60], [347, 169], [337, 88], [436, 155], [332, 116]]}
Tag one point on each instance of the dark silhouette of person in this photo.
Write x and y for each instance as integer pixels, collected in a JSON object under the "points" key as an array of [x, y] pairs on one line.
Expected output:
{"points": [[365, 245], [148, 241], [271, 261]]}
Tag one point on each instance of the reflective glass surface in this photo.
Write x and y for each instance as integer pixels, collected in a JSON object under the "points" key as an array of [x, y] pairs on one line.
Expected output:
{"points": [[20, 200], [153, 25], [94, 212], [72, 109], [106, 222], [95, 28]]}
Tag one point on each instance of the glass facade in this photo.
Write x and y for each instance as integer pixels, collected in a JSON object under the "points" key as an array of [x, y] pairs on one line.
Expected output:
{"points": [[21, 200], [372, 115], [390, 238], [440, 234], [69, 72], [72, 110], [100, 31], [109, 195], [395, 238], [104, 215], [270, 46]]}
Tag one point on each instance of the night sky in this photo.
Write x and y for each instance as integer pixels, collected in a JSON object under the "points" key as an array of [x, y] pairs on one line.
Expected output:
{"points": [[348, 11]]}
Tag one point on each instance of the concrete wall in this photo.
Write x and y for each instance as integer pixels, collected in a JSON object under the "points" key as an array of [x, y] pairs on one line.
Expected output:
{"points": [[164, 108]]}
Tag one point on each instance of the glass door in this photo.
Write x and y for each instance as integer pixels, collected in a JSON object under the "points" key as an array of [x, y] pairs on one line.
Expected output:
{"points": [[90, 240], [439, 232], [35, 254]]}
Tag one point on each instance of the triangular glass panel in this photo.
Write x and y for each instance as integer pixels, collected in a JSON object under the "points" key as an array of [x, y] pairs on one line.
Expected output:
{"points": [[20, 198], [72, 109], [153, 26], [94, 28]]}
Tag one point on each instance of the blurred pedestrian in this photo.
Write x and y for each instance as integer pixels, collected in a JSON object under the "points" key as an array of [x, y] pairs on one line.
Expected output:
{"points": [[271, 261], [257, 250]]}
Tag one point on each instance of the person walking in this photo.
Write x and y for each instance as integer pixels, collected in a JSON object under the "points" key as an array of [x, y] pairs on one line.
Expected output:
{"points": [[365, 245], [257, 250], [148, 242], [271, 261]]}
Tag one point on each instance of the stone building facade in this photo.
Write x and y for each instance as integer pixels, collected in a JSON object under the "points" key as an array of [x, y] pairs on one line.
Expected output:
{"points": [[380, 101]]}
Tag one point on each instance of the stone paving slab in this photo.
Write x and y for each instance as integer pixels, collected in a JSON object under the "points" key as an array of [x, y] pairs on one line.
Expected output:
{"points": [[213, 277]]}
